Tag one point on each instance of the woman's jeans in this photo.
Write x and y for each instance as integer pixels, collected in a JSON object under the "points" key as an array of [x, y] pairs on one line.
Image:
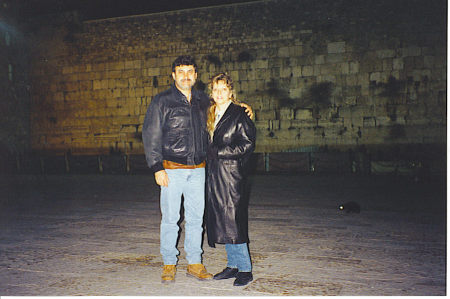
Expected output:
{"points": [[238, 257], [191, 184]]}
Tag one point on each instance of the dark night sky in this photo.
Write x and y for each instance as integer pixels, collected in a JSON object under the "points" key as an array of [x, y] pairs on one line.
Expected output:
{"points": [[98, 9]]}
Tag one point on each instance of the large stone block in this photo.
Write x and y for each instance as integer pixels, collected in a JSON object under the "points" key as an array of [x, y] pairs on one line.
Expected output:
{"points": [[154, 71], [67, 70], [319, 59], [385, 53], [411, 51], [296, 93], [398, 64], [296, 50], [336, 47], [261, 64], [287, 113], [120, 83], [285, 126], [116, 66], [303, 114], [265, 114], [330, 69], [336, 58], [297, 71], [421, 75], [307, 71], [286, 72], [344, 68], [262, 125], [100, 84]]}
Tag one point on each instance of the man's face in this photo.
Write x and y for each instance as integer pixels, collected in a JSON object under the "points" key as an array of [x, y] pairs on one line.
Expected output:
{"points": [[184, 77]]}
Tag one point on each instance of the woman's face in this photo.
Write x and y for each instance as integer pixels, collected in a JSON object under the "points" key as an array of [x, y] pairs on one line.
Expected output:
{"points": [[221, 93]]}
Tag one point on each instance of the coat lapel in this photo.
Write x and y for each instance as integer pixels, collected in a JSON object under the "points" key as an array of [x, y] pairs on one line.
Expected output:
{"points": [[225, 116]]}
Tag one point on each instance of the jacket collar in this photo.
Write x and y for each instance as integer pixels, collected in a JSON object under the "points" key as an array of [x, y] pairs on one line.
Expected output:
{"points": [[194, 94]]}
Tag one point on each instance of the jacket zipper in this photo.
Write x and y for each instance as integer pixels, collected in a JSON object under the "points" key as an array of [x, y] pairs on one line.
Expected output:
{"points": [[193, 133]]}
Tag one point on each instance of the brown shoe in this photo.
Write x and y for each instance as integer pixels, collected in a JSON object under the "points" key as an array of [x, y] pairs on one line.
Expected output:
{"points": [[168, 273], [198, 271]]}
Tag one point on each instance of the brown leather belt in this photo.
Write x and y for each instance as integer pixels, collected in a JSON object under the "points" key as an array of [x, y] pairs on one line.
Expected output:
{"points": [[173, 165]]}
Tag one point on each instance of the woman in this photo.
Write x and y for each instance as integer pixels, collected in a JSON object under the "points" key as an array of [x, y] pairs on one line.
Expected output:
{"points": [[232, 140]]}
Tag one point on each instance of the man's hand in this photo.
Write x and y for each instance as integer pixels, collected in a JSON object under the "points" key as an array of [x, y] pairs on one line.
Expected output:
{"points": [[248, 109], [161, 178]]}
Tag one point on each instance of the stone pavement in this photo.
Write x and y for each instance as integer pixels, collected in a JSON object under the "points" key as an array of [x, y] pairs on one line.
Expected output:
{"points": [[99, 235]]}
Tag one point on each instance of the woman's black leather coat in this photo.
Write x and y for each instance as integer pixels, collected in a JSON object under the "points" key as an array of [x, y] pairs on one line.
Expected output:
{"points": [[227, 208]]}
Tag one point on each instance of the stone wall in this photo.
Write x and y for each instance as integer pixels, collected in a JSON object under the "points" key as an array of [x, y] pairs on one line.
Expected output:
{"points": [[14, 91], [336, 74]]}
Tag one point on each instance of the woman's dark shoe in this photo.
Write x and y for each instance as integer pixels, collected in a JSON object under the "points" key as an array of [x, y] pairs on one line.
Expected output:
{"points": [[226, 273], [243, 278]]}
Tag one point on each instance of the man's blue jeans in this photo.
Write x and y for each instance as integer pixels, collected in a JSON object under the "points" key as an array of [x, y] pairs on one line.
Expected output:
{"points": [[191, 184], [238, 257]]}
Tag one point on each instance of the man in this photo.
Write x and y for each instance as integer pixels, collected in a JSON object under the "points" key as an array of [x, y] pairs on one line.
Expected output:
{"points": [[175, 143]]}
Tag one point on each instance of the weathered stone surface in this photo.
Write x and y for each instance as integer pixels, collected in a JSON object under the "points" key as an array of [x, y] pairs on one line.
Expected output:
{"points": [[99, 235], [277, 51]]}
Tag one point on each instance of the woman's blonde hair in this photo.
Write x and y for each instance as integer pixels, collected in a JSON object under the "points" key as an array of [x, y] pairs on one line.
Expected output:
{"points": [[224, 77]]}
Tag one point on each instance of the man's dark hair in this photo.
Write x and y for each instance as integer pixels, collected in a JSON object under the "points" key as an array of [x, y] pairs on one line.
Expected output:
{"points": [[184, 60]]}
